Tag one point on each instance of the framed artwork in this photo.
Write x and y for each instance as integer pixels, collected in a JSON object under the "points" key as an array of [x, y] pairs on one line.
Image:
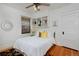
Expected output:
{"points": [[39, 22], [44, 21], [34, 22], [25, 25]]}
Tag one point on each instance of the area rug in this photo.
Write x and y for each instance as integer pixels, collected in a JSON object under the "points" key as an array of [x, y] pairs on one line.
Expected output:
{"points": [[11, 52]]}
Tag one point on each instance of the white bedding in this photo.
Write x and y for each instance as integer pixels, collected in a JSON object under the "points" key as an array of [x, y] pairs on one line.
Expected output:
{"points": [[33, 46]]}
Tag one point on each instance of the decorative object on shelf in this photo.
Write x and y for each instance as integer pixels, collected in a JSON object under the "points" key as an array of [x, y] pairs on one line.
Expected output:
{"points": [[25, 22], [6, 25]]}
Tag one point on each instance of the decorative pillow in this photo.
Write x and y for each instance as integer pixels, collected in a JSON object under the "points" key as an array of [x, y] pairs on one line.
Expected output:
{"points": [[43, 34]]}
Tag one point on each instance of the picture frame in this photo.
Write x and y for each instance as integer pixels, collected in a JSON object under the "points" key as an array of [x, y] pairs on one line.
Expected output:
{"points": [[40, 22], [44, 21], [34, 22], [25, 25]]}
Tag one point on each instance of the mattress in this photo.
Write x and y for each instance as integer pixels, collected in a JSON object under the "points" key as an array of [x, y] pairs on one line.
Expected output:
{"points": [[33, 46]]}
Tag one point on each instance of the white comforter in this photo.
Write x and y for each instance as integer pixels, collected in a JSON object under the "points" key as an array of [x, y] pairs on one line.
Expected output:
{"points": [[33, 46]]}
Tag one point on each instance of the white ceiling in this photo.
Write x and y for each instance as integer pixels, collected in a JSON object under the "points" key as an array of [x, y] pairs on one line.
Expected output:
{"points": [[59, 5], [21, 6]]}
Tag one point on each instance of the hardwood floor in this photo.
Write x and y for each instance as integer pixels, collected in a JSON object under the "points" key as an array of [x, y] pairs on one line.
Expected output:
{"points": [[61, 51]]}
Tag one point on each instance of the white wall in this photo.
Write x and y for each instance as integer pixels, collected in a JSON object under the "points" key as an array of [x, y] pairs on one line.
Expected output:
{"points": [[68, 21], [7, 38]]}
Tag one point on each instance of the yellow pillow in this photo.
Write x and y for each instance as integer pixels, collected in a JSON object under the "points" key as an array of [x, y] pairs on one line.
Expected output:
{"points": [[43, 34]]}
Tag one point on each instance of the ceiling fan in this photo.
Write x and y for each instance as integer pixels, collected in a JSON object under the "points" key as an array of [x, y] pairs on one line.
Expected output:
{"points": [[36, 6]]}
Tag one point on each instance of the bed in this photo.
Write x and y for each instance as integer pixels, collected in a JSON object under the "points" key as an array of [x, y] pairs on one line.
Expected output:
{"points": [[33, 46]]}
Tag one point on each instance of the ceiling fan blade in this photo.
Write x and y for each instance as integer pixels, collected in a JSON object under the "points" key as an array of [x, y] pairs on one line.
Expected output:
{"points": [[29, 6], [45, 4]]}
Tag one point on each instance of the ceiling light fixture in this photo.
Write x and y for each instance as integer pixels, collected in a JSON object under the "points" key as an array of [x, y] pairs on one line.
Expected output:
{"points": [[36, 8]]}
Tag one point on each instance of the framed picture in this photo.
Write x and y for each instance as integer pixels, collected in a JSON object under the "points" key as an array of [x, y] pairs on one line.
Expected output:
{"points": [[39, 22], [25, 25], [34, 22], [44, 21]]}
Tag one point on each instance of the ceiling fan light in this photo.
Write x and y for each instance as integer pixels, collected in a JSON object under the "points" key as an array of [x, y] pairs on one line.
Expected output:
{"points": [[38, 7], [34, 7]]}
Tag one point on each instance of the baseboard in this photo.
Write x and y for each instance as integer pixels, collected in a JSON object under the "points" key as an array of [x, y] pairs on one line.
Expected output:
{"points": [[66, 47]]}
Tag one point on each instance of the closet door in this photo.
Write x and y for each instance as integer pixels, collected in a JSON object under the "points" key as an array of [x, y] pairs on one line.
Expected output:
{"points": [[70, 27]]}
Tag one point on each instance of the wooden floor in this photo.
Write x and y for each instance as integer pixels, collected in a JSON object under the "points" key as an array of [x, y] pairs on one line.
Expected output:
{"points": [[62, 51]]}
